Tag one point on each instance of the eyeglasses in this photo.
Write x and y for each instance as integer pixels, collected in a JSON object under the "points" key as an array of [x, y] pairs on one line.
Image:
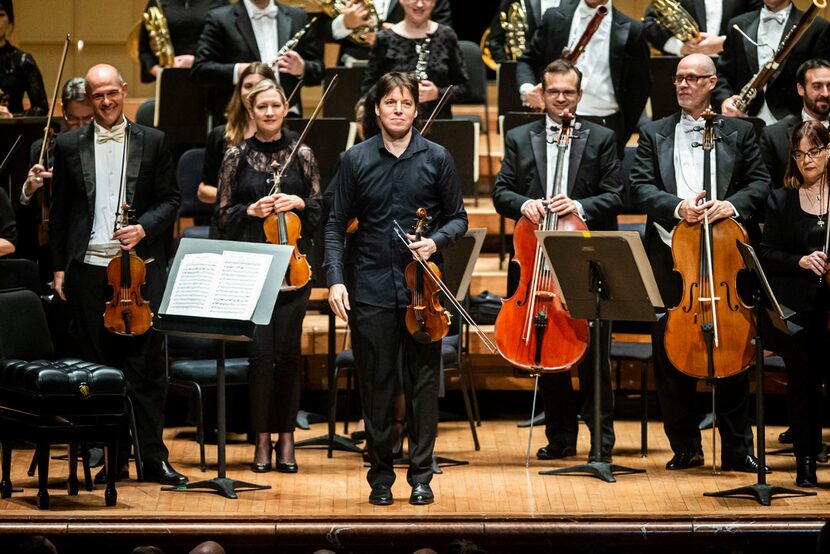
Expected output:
{"points": [[570, 93], [691, 79], [812, 153]]}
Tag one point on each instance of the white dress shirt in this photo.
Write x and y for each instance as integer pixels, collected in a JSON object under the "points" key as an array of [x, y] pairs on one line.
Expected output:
{"points": [[714, 18], [770, 32], [264, 23], [109, 159], [807, 117], [545, 5], [339, 31], [594, 63]]}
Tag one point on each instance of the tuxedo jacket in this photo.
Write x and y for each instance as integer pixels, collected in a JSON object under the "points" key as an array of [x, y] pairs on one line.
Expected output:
{"points": [[441, 13], [658, 35], [628, 57], [228, 38], [742, 179], [775, 147], [151, 190], [739, 63], [533, 9], [593, 173]]}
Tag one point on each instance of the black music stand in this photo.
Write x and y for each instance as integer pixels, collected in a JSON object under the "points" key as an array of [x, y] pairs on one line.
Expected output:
{"points": [[181, 107], [222, 330], [764, 301], [602, 276]]}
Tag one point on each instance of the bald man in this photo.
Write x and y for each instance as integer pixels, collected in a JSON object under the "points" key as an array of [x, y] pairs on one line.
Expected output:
{"points": [[667, 185], [85, 198]]}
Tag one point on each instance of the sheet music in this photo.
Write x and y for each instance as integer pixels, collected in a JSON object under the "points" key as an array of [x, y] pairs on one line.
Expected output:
{"points": [[224, 285]]}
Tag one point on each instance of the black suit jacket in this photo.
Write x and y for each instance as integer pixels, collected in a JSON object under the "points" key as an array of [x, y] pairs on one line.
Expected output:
{"points": [[228, 38], [441, 13], [658, 35], [593, 175], [151, 191], [628, 59], [533, 9], [742, 179], [775, 147], [739, 63]]}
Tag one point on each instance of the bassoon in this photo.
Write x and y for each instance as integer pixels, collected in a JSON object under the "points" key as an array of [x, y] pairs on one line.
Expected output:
{"points": [[593, 25]]}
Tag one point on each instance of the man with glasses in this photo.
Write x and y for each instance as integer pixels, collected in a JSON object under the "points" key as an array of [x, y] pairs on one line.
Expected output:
{"points": [[667, 185], [614, 65], [592, 189], [813, 86], [741, 60]]}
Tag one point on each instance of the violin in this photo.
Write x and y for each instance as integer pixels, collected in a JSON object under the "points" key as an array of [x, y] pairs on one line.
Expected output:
{"points": [[534, 330], [127, 314], [426, 319], [285, 228], [708, 335]]}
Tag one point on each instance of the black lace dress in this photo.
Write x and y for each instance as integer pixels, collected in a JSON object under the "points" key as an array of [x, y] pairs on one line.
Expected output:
{"points": [[19, 75], [444, 63], [275, 353]]}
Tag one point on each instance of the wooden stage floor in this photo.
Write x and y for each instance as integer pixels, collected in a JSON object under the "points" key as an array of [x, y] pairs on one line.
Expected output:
{"points": [[491, 500]]}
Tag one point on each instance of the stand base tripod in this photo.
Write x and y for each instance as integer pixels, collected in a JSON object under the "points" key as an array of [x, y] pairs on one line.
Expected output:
{"points": [[437, 463], [221, 485], [601, 470], [338, 442], [761, 492]]}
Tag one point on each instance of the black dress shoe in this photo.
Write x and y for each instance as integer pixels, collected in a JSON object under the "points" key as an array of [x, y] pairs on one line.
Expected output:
{"points": [[805, 471], [555, 451], [786, 437], [421, 495], [257, 467], [747, 464], [164, 474], [290, 467], [122, 475], [381, 495], [686, 460], [358, 436]]}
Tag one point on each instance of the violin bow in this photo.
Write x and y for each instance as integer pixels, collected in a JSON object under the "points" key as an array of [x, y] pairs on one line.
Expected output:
{"points": [[438, 107], [300, 140], [45, 144]]}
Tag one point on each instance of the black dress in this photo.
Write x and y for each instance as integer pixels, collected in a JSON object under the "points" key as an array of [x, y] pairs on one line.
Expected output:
{"points": [[789, 234], [246, 176], [8, 230], [444, 63], [185, 19], [18, 75]]}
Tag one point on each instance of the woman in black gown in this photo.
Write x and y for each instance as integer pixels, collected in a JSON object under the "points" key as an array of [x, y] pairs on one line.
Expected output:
{"points": [[793, 257], [19, 74], [245, 181]]}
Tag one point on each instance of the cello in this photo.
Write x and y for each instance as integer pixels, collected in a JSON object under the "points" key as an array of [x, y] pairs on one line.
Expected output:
{"points": [[534, 330], [709, 334]]}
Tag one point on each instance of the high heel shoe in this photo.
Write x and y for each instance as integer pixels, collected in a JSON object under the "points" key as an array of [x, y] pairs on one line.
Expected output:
{"points": [[805, 471], [265, 467], [284, 467]]}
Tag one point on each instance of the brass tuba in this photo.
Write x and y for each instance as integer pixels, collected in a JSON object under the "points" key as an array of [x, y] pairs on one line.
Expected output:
{"points": [[671, 15], [160, 43], [333, 8], [514, 23]]}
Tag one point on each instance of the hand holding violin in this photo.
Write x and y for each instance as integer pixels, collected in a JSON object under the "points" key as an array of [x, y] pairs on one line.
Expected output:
{"points": [[129, 236], [34, 180], [815, 262], [423, 248], [562, 205]]}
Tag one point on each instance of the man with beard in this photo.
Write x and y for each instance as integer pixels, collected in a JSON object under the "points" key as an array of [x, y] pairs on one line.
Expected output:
{"points": [[813, 85]]}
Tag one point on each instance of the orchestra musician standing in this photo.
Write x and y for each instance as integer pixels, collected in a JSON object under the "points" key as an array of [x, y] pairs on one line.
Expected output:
{"points": [[666, 184], [245, 200], [85, 199], [384, 179], [813, 86], [593, 191], [614, 64], [793, 253], [741, 60]]}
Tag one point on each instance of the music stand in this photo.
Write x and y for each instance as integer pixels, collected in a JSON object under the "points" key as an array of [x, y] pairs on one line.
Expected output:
{"points": [[602, 276], [764, 301], [181, 107], [222, 330]]}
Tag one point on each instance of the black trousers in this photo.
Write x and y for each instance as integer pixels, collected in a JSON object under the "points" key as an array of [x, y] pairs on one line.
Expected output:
{"points": [[561, 425], [140, 357], [386, 357], [274, 371], [677, 392]]}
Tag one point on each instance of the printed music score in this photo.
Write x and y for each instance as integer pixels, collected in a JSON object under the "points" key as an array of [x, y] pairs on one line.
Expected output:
{"points": [[224, 285]]}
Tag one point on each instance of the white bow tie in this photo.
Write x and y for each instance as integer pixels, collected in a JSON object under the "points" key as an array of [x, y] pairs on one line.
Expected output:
{"points": [[690, 125], [767, 15], [105, 135], [268, 13]]}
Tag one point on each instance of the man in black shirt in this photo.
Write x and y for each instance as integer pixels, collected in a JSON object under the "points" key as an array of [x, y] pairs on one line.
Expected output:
{"points": [[381, 180]]}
